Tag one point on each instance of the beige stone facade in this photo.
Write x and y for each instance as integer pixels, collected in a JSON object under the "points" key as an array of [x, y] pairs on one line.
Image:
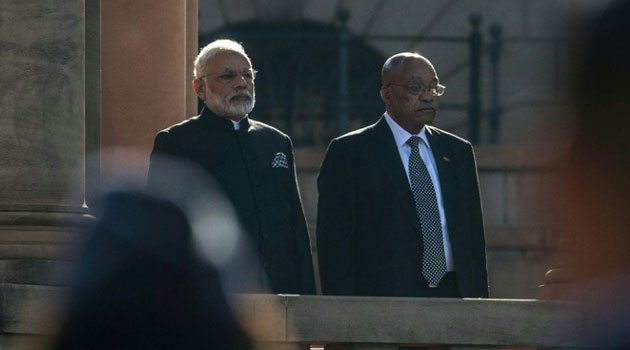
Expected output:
{"points": [[82, 79]]}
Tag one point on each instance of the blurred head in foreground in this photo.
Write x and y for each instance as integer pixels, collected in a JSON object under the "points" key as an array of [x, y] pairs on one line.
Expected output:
{"points": [[158, 268], [141, 285]]}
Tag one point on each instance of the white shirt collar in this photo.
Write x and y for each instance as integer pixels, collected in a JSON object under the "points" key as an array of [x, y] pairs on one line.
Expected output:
{"points": [[401, 135]]}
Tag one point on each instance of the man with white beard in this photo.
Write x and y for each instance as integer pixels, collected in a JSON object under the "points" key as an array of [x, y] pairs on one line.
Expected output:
{"points": [[252, 162]]}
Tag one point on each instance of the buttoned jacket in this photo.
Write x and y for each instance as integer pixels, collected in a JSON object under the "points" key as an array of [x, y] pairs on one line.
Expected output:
{"points": [[369, 238]]}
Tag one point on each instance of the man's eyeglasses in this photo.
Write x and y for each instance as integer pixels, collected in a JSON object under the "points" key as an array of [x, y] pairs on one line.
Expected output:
{"points": [[413, 89], [228, 76]]}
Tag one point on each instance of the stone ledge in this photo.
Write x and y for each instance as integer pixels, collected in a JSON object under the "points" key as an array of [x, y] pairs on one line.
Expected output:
{"points": [[43, 251], [368, 320], [29, 309], [43, 208], [516, 158], [488, 158], [514, 237], [33, 271], [17, 218], [40, 234], [433, 321], [25, 342]]}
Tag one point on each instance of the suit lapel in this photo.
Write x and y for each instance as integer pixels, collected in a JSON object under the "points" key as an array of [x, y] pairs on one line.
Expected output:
{"points": [[388, 157], [446, 172]]}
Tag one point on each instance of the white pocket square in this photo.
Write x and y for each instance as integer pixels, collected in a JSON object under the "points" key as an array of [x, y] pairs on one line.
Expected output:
{"points": [[280, 161]]}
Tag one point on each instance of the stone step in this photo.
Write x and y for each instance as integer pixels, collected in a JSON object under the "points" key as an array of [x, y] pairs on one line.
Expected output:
{"points": [[30, 309], [25, 240], [39, 251], [24, 342], [38, 234], [35, 271]]}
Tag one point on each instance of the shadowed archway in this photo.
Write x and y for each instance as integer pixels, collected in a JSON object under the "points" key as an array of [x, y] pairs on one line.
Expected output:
{"points": [[297, 89]]}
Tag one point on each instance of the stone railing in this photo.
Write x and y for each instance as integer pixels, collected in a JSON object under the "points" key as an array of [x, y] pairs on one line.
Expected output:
{"points": [[385, 323], [286, 321]]}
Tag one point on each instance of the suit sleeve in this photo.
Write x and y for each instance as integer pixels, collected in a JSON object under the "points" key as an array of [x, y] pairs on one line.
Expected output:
{"points": [[476, 227], [302, 238], [164, 145], [336, 221]]}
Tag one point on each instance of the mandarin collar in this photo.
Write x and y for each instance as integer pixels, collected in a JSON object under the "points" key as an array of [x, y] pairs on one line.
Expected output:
{"points": [[220, 122]]}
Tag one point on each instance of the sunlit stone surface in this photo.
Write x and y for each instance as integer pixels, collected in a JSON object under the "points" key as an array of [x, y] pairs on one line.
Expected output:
{"points": [[41, 94]]}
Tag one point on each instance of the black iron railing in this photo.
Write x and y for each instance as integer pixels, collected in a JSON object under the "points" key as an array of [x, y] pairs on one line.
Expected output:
{"points": [[320, 81]]}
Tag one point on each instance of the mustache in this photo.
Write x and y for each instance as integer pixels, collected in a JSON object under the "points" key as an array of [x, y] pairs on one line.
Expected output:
{"points": [[243, 93]]}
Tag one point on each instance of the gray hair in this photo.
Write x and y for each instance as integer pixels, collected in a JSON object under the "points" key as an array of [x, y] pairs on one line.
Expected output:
{"points": [[214, 48]]}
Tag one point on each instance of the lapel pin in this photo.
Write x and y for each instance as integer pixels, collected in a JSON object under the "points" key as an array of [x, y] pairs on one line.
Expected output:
{"points": [[446, 159]]}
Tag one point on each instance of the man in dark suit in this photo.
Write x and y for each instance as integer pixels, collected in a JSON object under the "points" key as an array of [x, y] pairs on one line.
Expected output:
{"points": [[399, 211], [252, 162]]}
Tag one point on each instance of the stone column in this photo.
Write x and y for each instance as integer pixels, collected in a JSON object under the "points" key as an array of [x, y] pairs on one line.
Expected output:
{"points": [[41, 134], [147, 51]]}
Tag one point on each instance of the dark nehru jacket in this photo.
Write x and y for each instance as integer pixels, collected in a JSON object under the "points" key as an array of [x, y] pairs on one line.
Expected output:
{"points": [[255, 168]]}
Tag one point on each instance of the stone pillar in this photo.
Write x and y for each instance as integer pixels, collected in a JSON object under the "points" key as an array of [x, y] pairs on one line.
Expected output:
{"points": [[147, 50], [41, 135]]}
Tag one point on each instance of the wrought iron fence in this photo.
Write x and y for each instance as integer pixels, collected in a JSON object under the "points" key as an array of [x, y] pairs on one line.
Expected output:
{"points": [[318, 81]]}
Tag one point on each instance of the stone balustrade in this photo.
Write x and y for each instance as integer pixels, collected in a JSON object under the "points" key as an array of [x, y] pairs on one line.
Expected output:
{"points": [[286, 321]]}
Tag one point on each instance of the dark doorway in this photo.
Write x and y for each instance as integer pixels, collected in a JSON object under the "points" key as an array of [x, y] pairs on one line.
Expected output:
{"points": [[297, 89]]}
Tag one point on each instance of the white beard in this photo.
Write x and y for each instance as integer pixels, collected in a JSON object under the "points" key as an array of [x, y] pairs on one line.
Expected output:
{"points": [[231, 110]]}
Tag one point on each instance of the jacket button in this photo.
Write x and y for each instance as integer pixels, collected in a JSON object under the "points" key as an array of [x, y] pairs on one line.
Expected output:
{"points": [[266, 266], [257, 183]]}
